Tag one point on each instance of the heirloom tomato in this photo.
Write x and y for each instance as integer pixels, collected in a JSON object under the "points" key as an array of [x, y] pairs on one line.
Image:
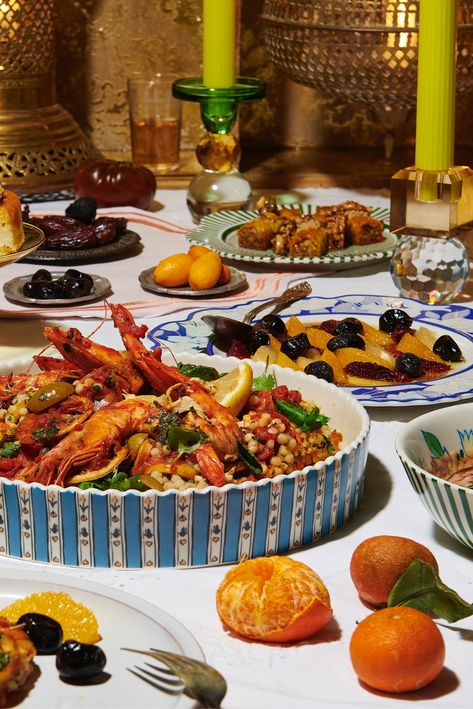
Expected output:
{"points": [[113, 183]]}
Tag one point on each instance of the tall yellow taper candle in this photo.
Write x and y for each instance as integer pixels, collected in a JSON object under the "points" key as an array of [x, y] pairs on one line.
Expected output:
{"points": [[219, 43], [435, 129]]}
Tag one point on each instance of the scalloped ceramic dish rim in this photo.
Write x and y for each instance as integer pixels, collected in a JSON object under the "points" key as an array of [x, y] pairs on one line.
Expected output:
{"points": [[400, 446], [365, 425]]}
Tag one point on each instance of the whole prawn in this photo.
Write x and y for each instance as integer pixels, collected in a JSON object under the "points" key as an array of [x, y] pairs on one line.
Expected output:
{"points": [[97, 447], [217, 423]]}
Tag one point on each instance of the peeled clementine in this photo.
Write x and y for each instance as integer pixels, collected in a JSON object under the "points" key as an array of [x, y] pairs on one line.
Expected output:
{"points": [[378, 562], [397, 650], [274, 599]]}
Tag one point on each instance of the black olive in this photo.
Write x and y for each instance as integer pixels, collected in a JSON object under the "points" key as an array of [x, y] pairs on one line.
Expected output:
{"points": [[76, 660], [73, 273], [321, 370], [348, 326], [84, 209], [296, 346], [44, 632], [394, 318], [339, 341], [42, 275], [256, 339], [73, 287], [409, 364], [447, 349], [273, 324]]}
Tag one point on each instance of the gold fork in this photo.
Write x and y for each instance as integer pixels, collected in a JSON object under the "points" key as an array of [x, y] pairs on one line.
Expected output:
{"points": [[195, 679]]}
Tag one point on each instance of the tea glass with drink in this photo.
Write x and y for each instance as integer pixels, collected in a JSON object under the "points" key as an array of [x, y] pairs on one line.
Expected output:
{"points": [[155, 122]]}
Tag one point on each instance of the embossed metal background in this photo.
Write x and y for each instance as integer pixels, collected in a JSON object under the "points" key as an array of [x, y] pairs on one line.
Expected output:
{"points": [[364, 50]]}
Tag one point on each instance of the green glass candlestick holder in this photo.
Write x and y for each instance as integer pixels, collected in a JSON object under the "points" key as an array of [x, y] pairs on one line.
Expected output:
{"points": [[220, 185]]}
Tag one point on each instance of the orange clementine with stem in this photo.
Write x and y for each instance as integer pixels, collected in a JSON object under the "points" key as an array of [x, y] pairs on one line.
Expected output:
{"points": [[378, 562], [397, 650], [274, 599]]}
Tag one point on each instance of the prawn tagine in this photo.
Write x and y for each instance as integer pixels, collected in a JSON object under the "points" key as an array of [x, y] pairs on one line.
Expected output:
{"points": [[98, 417]]}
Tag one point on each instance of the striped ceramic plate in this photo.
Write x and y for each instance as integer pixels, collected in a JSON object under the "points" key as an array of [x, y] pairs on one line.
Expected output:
{"points": [[218, 231]]}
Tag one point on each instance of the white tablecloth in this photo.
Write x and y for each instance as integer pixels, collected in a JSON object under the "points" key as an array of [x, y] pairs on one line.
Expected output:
{"points": [[316, 673]]}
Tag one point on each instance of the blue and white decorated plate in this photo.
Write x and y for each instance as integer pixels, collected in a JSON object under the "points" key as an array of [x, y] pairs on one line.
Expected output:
{"points": [[454, 320], [218, 231]]}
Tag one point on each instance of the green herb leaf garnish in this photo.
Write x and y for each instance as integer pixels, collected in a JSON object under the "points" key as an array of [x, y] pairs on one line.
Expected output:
{"points": [[305, 420], [207, 374], [250, 460], [5, 659], [10, 449], [117, 480], [420, 587], [264, 382], [184, 440]]}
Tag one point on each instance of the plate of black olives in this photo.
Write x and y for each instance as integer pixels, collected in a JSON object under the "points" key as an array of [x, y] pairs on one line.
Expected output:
{"points": [[57, 287], [386, 351]]}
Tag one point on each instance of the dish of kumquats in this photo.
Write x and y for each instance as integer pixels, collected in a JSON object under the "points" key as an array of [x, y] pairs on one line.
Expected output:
{"points": [[387, 351], [61, 640], [197, 273]]}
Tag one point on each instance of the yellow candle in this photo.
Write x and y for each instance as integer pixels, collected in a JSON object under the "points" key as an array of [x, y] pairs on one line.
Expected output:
{"points": [[435, 129], [219, 43]]}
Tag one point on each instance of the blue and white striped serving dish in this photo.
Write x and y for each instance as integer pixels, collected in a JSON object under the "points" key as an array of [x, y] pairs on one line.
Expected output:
{"points": [[90, 528], [445, 433]]}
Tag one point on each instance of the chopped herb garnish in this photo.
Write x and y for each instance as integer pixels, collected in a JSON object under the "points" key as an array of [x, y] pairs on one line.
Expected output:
{"points": [[165, 421], [250, 460], [207, 374], [5, 659], [10, 449], [46, 432], [96, 387], [328, 444], [305, 420]]}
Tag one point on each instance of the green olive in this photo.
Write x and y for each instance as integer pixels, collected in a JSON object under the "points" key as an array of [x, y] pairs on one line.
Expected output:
{"points": [[48, 395], [134, 443]]}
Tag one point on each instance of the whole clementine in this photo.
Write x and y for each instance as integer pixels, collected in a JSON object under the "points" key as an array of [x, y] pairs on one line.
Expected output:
{"points": [[378, 562], [274, 599], [397, 650]]}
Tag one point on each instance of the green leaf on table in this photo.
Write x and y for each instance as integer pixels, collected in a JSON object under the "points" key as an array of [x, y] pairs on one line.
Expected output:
{"points": [[433, 444], [421, 587]]}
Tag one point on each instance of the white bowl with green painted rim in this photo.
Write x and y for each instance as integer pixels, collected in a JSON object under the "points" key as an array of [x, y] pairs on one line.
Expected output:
{"points": [[448, 433]]}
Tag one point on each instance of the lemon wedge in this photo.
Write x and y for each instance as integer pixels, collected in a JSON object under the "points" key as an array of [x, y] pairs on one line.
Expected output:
{"points": [[233, 389]]}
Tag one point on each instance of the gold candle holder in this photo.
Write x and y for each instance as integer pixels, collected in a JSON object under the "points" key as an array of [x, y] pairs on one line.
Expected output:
{"points": [[433, 212], [41, 146]]}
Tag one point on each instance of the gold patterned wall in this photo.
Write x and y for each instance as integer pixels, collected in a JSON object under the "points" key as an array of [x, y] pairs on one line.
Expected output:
{"points": [[102, 42]]}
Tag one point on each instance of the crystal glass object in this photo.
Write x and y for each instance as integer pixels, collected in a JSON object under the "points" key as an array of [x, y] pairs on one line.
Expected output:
{"points": [[433, 211], [432, 270], [220, 185]]}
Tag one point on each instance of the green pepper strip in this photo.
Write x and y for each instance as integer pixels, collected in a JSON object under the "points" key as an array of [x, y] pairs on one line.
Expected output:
{"points": [[305, 420]]}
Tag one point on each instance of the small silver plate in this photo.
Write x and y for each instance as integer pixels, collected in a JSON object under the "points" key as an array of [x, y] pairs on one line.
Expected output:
{"points": [[237, 280], [13, 290]]}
